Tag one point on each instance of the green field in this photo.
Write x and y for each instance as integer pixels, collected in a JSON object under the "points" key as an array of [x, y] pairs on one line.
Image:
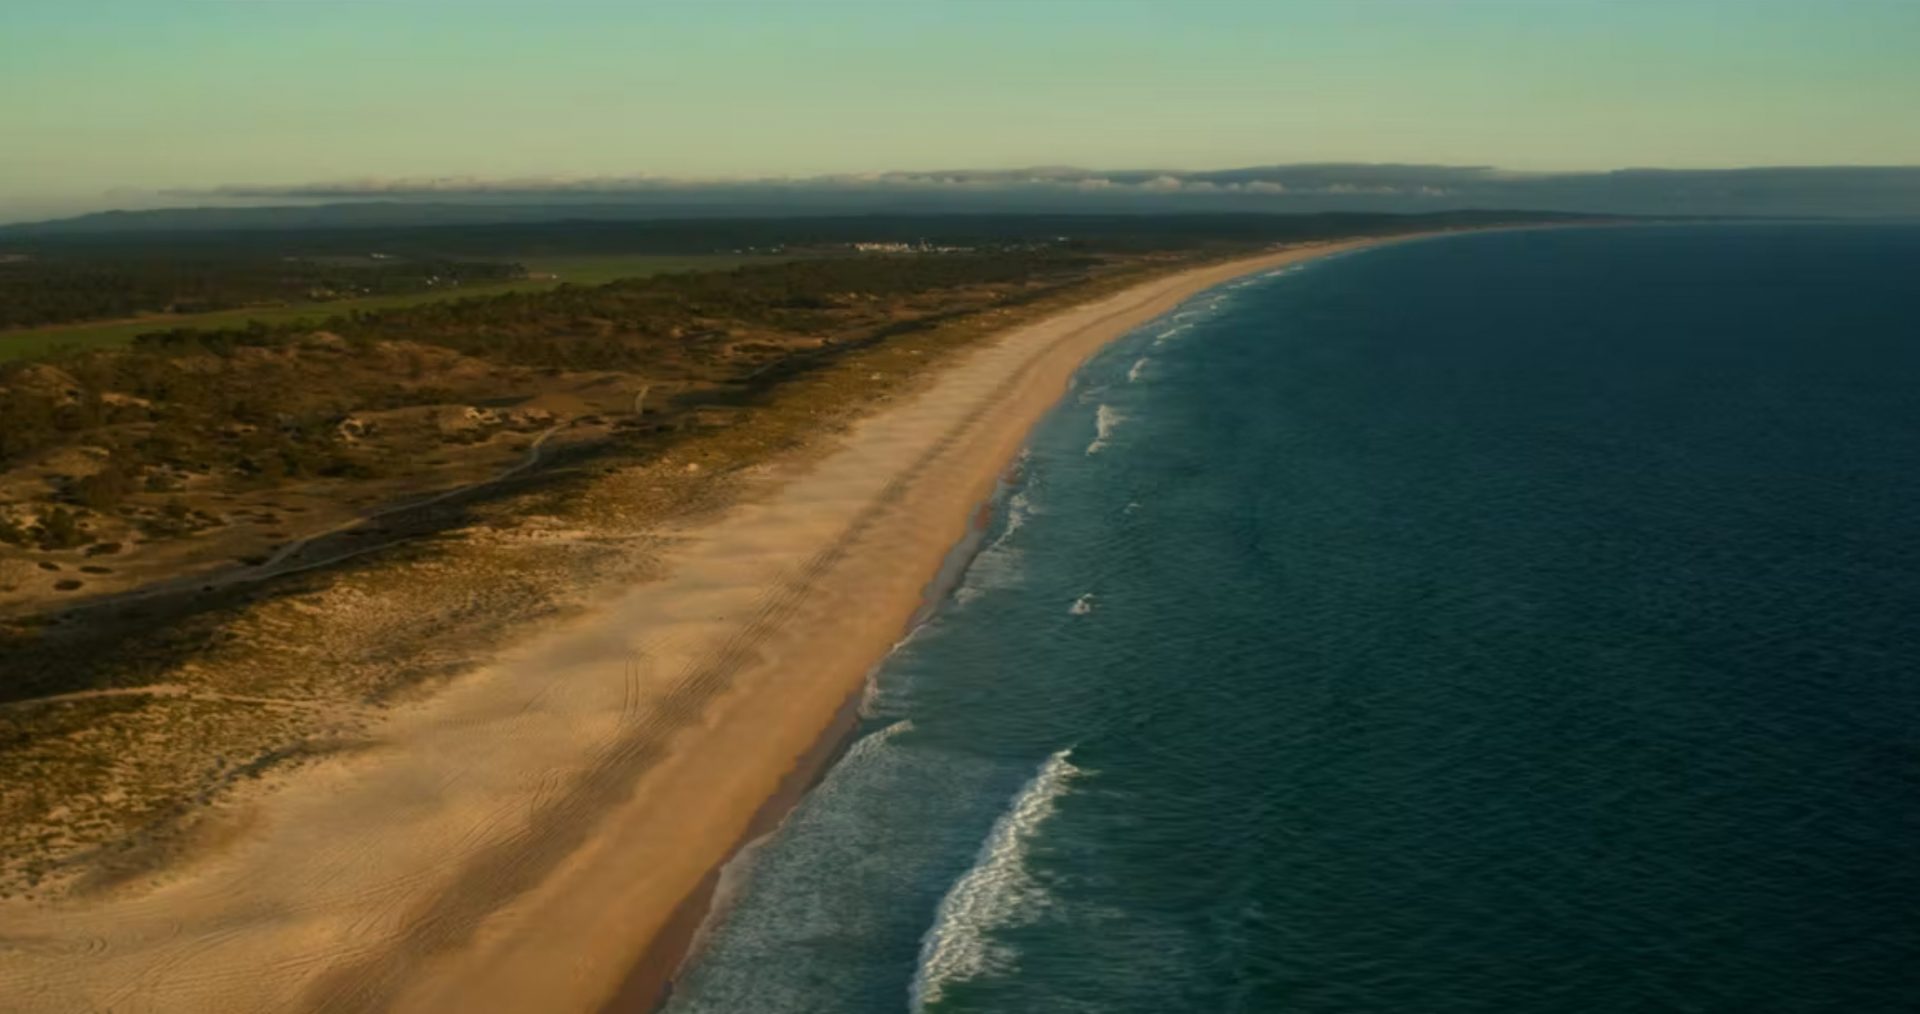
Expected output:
{"points": [[592, 270], [582, 270]]}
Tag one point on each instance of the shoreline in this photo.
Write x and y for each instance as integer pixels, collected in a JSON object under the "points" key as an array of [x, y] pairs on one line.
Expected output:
{"points": [[648, 986], [546, 832], [890, 466]]}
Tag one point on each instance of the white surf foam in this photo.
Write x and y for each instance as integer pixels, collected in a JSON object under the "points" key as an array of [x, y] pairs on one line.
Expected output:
{"points": [[1019, 508], [997, 892], [736, 875], [998, 564], [1171, 333], [1139, 367], [814, 877], [1105, 418], [868, 745], [882, 698]]}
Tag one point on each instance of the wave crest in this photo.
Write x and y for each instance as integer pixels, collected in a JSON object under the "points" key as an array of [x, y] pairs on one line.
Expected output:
{"points": [[996, 892], [1104, 421]]}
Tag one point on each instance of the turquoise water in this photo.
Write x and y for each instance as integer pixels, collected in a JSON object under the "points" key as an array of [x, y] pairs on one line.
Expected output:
{"points": [[1515, 622]]}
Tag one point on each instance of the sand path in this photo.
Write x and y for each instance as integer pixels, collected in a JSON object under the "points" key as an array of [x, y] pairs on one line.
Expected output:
{"points": [[515, 843]]}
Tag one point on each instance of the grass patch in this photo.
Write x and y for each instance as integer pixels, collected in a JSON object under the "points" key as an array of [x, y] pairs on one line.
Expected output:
{"points": [[589, 269]]}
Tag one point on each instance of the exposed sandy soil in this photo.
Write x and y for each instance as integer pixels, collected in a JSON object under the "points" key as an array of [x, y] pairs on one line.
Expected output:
{"points": [[248, 532], [516, 840]]}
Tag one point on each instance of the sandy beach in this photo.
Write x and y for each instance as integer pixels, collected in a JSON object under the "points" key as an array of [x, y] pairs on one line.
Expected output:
{"points": [[524, 838]]}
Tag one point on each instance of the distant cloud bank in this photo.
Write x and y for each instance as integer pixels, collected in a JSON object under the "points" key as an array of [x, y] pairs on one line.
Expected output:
{"points": [[1812, 190]]}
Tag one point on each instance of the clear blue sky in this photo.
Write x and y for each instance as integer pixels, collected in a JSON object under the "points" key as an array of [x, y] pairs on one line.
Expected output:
{"points": [[105, 102]]}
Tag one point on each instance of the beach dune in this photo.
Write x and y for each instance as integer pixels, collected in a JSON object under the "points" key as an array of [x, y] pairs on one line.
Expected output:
{"points": [[523, 839]]}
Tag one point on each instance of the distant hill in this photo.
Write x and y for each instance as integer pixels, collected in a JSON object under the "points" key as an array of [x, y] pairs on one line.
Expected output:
{"points": [[1803, 191], [354, 215], [520, 231]]}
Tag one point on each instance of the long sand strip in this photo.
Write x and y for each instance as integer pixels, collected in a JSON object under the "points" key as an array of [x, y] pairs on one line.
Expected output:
{"points": [[519, 841]]}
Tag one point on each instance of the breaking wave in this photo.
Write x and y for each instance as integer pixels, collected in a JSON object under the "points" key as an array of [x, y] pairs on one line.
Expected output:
{"points": [[996, 892], [997, 565], [1104, 420], [1170, 334]]}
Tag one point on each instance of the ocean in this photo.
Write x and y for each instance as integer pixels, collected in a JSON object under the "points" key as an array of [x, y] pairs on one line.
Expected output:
{"points": [[1507, 622]]}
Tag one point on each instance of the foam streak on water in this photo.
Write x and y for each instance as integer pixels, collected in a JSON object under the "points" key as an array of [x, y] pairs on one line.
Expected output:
{"points": [[996, 893], [1171, 333], [997, 565], [738, 871], [1104, 421]]}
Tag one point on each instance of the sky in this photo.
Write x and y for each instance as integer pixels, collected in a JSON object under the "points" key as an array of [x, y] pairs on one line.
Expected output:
{"points": [[126, 103]]}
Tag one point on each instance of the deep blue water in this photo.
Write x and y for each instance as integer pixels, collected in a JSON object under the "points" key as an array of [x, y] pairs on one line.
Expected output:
{"points": [[1509, 623]]}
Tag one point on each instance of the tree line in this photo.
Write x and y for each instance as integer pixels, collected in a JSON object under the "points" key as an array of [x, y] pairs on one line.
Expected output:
{"points": [[37, 289]]}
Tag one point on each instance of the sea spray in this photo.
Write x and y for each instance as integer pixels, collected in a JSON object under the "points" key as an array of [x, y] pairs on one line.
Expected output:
{"points": [[997, 892]]}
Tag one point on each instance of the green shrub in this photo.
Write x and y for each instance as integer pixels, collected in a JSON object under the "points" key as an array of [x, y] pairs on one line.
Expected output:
{"points": [[60, 529], [106, 488]]}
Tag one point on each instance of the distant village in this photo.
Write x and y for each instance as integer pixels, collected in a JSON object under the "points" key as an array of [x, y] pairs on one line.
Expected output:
{"points": [[920, 247]]}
